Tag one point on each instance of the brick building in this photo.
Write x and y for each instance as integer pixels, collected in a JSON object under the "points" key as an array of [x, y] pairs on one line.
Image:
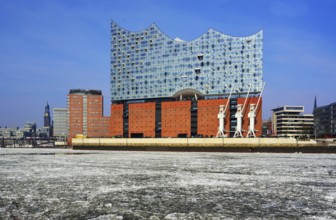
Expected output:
{"points": [[161, 87], [86, 114]]}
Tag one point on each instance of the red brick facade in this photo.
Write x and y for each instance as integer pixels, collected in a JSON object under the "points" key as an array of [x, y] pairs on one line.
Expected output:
{"points": [[117, 119], [86, 116], [96, 125], [207, 117], [141, 119], [76, 115], [246, 119], [175, 118]]}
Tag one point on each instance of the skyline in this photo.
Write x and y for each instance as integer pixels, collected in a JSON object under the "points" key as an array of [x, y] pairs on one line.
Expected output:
{"points": [[48, 48]]}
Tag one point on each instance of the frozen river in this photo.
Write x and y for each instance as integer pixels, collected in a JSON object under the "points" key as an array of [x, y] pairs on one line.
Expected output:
{"points": [[66, 184]]}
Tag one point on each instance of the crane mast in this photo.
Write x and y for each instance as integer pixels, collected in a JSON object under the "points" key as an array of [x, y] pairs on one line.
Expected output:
{"points": [[252, 115], [239, 115], [221, 116]]}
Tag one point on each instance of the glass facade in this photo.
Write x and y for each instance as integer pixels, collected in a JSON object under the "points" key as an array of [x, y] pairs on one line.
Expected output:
{"points": [[149, 64], [325, 120], [61, 122]]}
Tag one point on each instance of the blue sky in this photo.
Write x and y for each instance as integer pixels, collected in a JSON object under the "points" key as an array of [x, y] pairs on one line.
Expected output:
{"points": [[48, 47]]}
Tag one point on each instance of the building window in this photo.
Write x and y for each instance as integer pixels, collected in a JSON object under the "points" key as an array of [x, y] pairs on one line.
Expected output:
{"points": [[200, 57]]}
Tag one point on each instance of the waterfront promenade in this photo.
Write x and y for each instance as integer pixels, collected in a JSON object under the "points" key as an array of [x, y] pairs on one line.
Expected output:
{"points": [[204, 144]]}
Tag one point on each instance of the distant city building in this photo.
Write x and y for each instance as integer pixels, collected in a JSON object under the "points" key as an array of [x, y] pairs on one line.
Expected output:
{"points": [[47, 129], [164, 87], [44, 132], [61, 123], [267, 128], [47, 118], [288, 121], [27, 131], [86, 114], [30, 130], [325, 120], [10, 132]]}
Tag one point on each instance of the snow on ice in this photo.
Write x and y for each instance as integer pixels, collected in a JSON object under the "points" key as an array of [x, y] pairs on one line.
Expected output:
{"points": [[55, 183]]}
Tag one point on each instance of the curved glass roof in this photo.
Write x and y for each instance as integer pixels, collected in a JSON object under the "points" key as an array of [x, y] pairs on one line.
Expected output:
{"points": [[149, 64]]}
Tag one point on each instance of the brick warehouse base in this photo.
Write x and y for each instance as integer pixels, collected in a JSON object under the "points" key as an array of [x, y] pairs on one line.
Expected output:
{"points": [[176, 118], [187, 118], [141, 119], [207, 117]]}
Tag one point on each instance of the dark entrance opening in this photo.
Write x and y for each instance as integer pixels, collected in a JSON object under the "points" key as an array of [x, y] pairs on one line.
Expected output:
{"points": [[137, 135], [182, 135]]}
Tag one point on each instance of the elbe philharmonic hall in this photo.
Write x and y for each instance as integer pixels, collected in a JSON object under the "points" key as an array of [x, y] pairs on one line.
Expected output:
{"points": [[163, 87]]}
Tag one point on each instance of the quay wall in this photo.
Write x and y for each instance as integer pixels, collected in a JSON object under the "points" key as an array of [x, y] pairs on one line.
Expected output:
{"points": [[203, 144]]}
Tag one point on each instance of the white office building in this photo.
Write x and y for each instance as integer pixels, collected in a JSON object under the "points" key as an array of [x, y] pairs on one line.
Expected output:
{"points": [[289, 121]]}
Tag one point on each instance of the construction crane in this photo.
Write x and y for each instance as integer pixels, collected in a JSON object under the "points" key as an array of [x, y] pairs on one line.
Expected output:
{"points": [[252, 115], [221, 116], [239, 115]]}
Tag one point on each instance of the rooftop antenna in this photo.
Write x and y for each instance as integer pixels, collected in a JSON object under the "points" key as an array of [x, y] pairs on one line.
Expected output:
{"points": [[239, 115], [221, 116], [252, 115]]}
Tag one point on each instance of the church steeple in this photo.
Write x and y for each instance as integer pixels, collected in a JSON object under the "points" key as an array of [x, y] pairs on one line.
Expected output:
{"points": [[315, 105], [47, 116]]}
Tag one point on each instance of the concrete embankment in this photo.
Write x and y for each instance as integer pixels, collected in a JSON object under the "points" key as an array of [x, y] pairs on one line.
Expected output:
{"points": [[203, 144]]}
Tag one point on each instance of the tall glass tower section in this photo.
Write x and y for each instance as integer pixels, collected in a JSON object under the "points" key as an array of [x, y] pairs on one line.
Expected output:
{"points": [[149, 64]]}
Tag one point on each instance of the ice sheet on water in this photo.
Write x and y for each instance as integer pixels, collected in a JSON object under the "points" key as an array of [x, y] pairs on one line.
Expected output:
{"points": [[61, 183]]}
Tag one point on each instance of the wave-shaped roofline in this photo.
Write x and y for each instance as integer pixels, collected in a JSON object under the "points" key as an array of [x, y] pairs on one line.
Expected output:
{"points": [[211, 29]]}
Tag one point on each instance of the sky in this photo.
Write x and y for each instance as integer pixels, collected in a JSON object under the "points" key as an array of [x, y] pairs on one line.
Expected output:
{"points": [[48, 47]]}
